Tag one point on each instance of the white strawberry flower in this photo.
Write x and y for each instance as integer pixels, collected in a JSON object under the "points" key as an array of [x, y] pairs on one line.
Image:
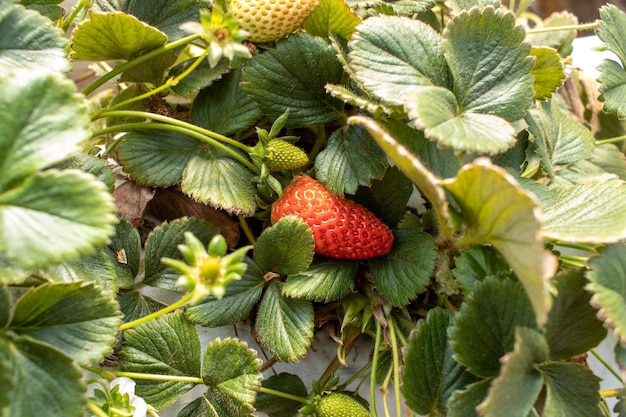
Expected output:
{"points": [[127, 386]]}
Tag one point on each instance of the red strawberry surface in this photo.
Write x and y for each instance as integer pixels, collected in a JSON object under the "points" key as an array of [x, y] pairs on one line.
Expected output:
{"points": [[341, 228]]}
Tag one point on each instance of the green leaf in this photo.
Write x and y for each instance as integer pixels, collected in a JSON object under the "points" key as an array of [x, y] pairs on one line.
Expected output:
{"points": [[29, 40], [463, 403], [431, 374], [350, 159], [514, 392], [43, 378], [5, 306], [405, 271], [293, 77], [612, 78], [604, 161], [391, 56], [571, 390], [278, 406], [168, 345], [200, 407], [152, 71], [217, 179], [325, 280], [484, 327], [95, 166], [77, 318], [156, 158], [500, 213], [561, 40], [125, 252], [97, 268], [233, 384], [286, 247], [136, 305], [458, 6], [236, 304], [47, 8], [54, 216], [113, 35], [607, 280], [477, 263], [200, 77], [223, 107], [572, 328], [162, 243], [44, 122], [165, 15], [559, 138], [489, 63], [548, 72], [284, 325], [332, 17], [592, 211]]}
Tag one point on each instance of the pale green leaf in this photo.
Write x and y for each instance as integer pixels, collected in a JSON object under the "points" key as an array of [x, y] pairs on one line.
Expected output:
{"points": [[44, 122], [391, 56], [500, 213], [611, 30], [223, 108], [216, 179], [484, 327], [284, 325], [350, 159], [156, 158], [231, 372], [515, 390], [612, 80], [115, 35], [77, 318], [572, 328], [607, 281], [324, 281], [489, 63], [44, 380], [605, 161], [458, 6], [405, 271], [293, 77], [332, 16], [168, 345], [54, 216], [591, 211], [286, 247], [430, 373], [548, 72], [29, 40], [571, 391]]}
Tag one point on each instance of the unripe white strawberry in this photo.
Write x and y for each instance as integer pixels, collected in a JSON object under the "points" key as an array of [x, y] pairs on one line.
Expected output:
{"points": [[270, 20]]}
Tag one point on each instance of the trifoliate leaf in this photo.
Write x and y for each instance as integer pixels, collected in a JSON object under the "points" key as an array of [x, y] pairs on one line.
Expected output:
{"points": [[293, 77], [571, 390], [484, 327], [43, 378], [107, 36], [391, 56], [431, 374], [325, 280], [286, 247], [612, 78], [76, 318], [29, 40], [572, 327], [607, 280], [136, 305], [500, 213], [515, 390], [405, 272], [350, 159], [548, 72], [284, 325], [223, 108], [332, 17], [215, 178], [236, 304], [591, 211], [168, 345]]}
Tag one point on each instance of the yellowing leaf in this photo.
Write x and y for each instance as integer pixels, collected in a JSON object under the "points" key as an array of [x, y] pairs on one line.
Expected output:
{"points": [[332, 16], [548, 72]]}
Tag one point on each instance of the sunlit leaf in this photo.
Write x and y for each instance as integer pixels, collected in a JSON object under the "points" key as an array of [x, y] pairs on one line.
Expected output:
{"points": [[548, 72], [332, 16]]}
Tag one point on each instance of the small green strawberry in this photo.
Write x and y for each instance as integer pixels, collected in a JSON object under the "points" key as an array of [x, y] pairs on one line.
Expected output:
{"points": [[283, 156], [339, 405], [270, 20]]}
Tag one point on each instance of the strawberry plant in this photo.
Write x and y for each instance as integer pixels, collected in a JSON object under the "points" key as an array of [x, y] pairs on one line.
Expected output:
{"points": [[430, 185]]}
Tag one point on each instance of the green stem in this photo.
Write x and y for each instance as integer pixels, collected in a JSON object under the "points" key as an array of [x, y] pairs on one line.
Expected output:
{"points": [[610, 393], [96, 410], [605, 408], [243, 223], [320, 141], [143, 58], [575, 260], [377, 343], [159, 313], [356, 376], [67, 22], [606, 365], [396, 365], [285, 395], [159, 377], [577, 246], [616, 139], [584, 26]]}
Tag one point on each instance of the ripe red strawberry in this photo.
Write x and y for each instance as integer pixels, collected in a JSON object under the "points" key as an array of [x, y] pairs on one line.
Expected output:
{"points": [[341, 228]]}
